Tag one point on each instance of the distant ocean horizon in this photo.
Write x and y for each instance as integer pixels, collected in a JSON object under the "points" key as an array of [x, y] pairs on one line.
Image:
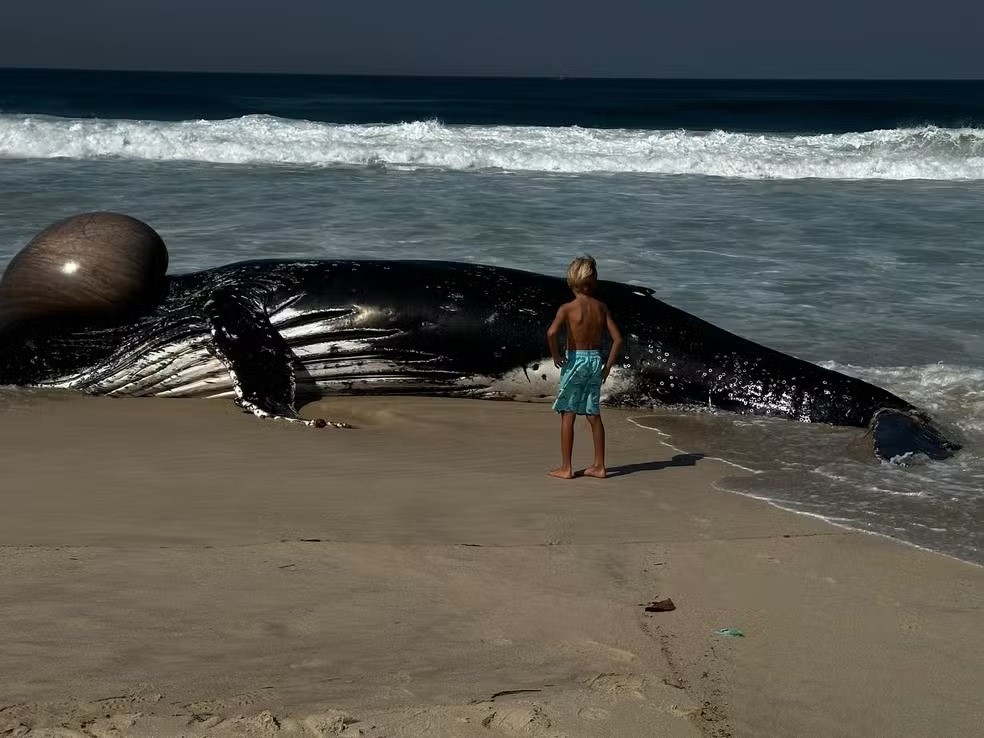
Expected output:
{"points": [[479, 77], [837, 220], [796, 105]]}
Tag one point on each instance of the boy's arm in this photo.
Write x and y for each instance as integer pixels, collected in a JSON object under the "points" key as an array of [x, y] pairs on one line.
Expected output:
{"points": [[552, 332], [616, 335]]}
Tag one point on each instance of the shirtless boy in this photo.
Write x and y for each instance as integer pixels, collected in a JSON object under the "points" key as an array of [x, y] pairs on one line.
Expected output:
{"points": [[582, 373]]}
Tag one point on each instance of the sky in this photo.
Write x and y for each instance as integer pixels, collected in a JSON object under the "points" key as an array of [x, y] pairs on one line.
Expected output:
{"points": [[614, 38]]}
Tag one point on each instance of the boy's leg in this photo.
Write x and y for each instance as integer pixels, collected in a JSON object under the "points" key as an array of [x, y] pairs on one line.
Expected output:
{"points": [[598, 435], [566, 447]]}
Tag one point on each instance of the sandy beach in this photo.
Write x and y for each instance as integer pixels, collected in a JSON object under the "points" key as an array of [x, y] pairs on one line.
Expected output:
{"points": [[176, 568]]}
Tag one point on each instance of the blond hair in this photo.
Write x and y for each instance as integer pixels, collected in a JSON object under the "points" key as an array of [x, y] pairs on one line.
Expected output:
{"points": [[582, 274]]}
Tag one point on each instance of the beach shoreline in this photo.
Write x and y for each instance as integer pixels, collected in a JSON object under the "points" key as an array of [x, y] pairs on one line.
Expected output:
{"points": [[177, 568]]}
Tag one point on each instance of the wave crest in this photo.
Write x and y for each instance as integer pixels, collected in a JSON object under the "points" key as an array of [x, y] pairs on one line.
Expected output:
{"points": [[905, 153]]}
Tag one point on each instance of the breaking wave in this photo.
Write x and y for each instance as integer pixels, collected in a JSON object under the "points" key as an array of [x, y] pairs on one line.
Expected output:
{"points": [[904, 153], [955, 391]]}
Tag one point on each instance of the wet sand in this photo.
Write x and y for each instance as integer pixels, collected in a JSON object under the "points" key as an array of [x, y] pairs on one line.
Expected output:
{"points": [[173, 567]]}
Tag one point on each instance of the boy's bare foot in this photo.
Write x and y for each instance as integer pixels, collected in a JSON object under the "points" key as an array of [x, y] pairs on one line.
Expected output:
{"points": [[561, 473], [596, 471]]}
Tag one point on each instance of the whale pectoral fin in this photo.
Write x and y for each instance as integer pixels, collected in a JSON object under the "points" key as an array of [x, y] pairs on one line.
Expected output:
{"points": [[899, 435], [259, 361]]}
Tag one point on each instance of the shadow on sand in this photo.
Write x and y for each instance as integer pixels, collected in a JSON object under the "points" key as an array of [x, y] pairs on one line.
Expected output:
{"points": [[678, 460]]}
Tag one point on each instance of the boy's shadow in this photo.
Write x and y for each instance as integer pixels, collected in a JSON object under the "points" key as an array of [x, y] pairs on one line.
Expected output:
{"points": [[678, 460]]}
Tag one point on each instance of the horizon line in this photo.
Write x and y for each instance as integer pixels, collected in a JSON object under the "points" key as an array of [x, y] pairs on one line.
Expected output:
{"points": [[557, 77]]}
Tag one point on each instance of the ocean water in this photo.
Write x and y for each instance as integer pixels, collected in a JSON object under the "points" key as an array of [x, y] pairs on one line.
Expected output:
{"points": [[840, 222]]}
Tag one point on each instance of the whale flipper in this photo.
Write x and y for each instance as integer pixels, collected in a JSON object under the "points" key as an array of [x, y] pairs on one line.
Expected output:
{"points": [[899, 435], [259, 360]]}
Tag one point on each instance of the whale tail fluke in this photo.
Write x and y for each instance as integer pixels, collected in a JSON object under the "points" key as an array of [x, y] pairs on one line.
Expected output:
{"points": [[899, 436]]}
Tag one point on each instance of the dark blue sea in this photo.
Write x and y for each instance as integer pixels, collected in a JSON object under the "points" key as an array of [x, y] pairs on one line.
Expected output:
{"points": [[810, 106], [839, 221]]}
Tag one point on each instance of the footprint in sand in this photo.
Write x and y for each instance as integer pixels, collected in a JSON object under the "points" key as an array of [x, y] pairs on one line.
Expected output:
{"points": [[266, 723], [593, 713], [224, 705], [331, 723], [109, 716], [618, 685], [334, 723], [520, 719]]}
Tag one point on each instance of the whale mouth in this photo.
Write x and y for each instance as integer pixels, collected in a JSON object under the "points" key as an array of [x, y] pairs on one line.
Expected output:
{"points": [[901, 437]]}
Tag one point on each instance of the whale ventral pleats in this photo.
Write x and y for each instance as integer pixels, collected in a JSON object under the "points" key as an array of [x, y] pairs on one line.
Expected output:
{"points": [[98, 264]]}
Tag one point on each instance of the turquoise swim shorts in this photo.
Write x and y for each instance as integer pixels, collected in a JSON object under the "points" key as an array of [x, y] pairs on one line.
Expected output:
{"points": [[580, 384]]}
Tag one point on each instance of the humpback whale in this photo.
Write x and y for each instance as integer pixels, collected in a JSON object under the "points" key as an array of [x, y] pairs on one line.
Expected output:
{"points": [[272, 333]]}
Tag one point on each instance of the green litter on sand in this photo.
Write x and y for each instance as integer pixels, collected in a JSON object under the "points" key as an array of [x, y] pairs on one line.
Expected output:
{"points": [[730, 633]]}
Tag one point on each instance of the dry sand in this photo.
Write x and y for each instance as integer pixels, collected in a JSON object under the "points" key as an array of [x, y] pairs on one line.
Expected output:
{"points": [[173, 567]]}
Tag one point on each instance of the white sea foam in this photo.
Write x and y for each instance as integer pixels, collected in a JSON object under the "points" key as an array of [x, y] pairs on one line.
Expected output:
{"points": [[955, 391], [908, 153]]}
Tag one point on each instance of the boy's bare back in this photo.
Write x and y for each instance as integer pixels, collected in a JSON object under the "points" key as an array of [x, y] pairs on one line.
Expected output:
{"points": [[586, 320], [582, 374]]}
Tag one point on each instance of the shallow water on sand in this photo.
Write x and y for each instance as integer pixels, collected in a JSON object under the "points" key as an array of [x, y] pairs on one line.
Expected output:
{"points": [[827, 472]]}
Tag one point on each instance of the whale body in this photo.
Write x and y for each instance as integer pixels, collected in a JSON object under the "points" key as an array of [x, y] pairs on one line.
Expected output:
{"points": [[270, 333]]}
